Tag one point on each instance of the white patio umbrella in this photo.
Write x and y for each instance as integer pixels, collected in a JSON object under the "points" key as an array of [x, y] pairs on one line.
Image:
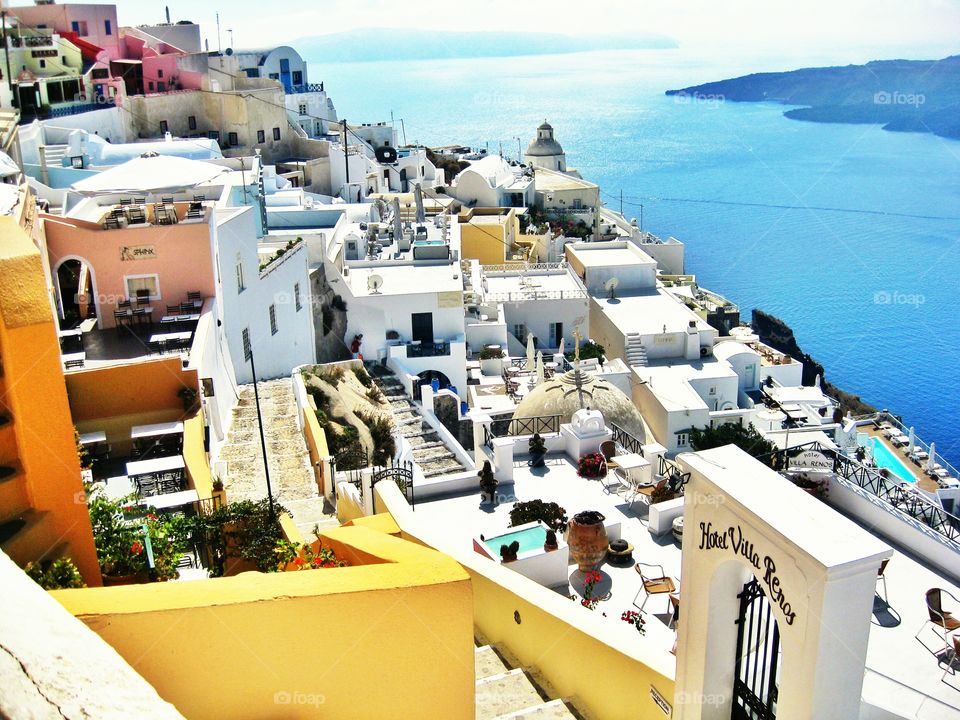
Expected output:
{"points": [[562, 343], [933, 457], [816, 380], [531, 351], [912, 441], [150, 174], [540, 376]]}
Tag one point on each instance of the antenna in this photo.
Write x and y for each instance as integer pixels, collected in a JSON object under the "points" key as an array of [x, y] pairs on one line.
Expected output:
{"points": [[611, 287], [374, 283]]}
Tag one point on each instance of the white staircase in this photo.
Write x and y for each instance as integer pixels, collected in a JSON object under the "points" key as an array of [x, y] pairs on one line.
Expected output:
{"points": [[504, 691], [55, 155], [635, 351]]}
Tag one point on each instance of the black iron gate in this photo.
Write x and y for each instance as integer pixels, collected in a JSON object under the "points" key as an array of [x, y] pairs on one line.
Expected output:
{"points": [[345, 466], [401, 474], [756, 680]]}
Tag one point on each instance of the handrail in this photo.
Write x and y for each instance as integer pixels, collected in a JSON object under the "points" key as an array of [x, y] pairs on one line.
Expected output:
{"points": [[520, 426], [625, 440]]}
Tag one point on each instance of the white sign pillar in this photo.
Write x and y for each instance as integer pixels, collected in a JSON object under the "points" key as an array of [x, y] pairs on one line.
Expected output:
{"points": [[817, 570]]}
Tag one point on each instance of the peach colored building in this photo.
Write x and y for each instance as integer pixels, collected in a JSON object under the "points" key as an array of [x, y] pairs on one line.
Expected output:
{"points": [[169, 260]]}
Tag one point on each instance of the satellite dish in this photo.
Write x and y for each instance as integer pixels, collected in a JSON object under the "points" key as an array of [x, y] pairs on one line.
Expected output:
{"points": [[374, 282], [611, 286]]}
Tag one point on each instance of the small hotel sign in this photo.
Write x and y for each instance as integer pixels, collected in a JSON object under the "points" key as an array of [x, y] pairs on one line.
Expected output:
{"points": [[137, 252], [661, 701], [812, 460], [733, 539]]}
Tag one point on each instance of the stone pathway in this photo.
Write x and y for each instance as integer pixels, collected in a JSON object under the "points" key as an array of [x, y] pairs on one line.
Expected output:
{"points": [[429, 450], [291, 475]]}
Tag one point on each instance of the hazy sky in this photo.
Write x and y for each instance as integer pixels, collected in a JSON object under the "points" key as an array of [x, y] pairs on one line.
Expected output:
{"points": [[840, 30]]}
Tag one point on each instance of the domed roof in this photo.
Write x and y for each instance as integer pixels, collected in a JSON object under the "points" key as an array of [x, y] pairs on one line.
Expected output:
{"points": [[543, 144], [562, 396]]}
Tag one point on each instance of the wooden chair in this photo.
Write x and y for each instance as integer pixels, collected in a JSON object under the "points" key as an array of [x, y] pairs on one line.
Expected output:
{"points": [[652, 584], [608, 449], [881, 578], [937, 617], [647, 492]]}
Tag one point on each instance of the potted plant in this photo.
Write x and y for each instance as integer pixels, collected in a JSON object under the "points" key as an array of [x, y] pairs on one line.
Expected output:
{"points": [[587, 539], [488, 483], [218, 491], [537, 449], [592, 465], [508, 553], [491, 361], [549, 513], [550, 543], [59, 574]]}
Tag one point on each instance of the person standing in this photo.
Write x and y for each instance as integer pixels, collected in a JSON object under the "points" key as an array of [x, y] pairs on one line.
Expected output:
{"points": [[355, 346]]}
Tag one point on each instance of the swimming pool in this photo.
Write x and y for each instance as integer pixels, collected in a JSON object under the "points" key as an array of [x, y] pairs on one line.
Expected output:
{"points": [[530, 538], [886, 459]]}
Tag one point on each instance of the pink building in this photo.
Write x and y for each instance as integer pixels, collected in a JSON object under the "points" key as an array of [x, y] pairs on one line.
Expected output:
{"points": [[95, 267], [95, 24]]}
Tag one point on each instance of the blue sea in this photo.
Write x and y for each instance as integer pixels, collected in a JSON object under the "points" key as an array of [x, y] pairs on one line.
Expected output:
{"points": [[849, 233]]}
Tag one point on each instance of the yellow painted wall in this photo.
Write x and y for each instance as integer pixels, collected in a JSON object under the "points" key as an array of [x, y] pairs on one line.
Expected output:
{"points": [[576, 653], [40, 439], [195, 457], [316, 441], [490, 243], [390, 639]]}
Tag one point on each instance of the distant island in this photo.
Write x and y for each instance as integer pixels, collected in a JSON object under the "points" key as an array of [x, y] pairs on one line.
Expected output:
{"points": [[373, 44], [902, 95]]}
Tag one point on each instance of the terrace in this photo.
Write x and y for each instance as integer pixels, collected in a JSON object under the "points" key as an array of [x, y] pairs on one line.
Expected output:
{"points": [[901, 674]]}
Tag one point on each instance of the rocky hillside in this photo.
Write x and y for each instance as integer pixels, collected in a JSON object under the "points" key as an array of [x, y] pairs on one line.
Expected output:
{"points": [[778, 335]]}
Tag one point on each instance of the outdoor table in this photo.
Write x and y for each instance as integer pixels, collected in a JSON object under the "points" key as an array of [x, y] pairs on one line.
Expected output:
{"points": [[118, 487], [168, 319], [169, 500], [630, 463], [137, 468], [147, 431], [167, 337]]}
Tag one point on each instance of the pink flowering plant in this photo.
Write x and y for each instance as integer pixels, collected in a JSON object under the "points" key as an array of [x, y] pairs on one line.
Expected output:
{"points": [[592, 465], [636, 619]]}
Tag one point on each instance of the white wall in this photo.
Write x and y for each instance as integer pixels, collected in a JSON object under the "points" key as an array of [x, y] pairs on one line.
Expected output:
{"points": [[537, 315], [294, 342]]}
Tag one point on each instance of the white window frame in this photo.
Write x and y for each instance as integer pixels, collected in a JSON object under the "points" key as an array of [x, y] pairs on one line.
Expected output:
{"points": [[156, 282], [683, 439]]}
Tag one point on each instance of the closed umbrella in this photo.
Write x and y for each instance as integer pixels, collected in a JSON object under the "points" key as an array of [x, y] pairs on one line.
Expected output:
{"points": [[933, 457], [912, 441], [560, 351], [531, 350], [418, 198], [540, 376], [397, 224]]}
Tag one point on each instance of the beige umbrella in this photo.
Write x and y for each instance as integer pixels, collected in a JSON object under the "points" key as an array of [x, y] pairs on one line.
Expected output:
{"points": [[912, 441], [560, 351], [933, 457], [531, 350], [540, 375]]}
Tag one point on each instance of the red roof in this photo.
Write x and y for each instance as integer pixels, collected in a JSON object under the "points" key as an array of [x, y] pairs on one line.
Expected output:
{"points": [[87, 49]]}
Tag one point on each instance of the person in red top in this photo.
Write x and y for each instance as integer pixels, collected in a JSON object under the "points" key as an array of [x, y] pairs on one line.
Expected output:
{"points": [[355, 346]]}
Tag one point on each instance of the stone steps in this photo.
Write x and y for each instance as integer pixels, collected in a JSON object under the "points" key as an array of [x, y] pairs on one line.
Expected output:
{"points": [[503, 691]]}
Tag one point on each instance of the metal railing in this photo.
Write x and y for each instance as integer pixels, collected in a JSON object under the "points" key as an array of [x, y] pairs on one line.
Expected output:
{"points": [[522, 269], [504, 427], [534, 294], [625, 440], [65, 110], [422, 350], [305, 88]]}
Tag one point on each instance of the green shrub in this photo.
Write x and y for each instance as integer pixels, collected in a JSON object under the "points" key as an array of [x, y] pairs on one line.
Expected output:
{"points": [[363, 376], [549, 513], [60, 574], [489, 353]]}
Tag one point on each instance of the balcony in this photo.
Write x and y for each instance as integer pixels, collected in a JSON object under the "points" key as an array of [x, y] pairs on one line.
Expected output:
{"points": [[417, 349]]}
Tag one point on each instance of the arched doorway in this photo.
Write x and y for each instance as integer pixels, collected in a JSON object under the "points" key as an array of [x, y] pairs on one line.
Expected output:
{"points": [[76, 293], [756, 680], [427, 377]]}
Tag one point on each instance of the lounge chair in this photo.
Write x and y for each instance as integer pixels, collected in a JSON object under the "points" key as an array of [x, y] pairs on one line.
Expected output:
{"points": [[653, 584]]}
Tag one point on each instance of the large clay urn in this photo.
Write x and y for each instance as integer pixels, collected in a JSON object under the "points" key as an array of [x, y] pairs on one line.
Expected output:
{"points": [[587, 539]]}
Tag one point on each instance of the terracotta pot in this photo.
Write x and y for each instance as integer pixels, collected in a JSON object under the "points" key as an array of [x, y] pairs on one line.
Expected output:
{"points": [[587, 539], [138, 579]]}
